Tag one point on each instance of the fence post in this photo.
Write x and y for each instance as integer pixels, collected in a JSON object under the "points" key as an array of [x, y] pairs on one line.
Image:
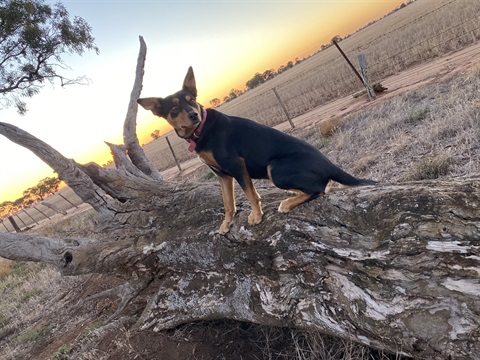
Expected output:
{"points": [[76, 207], [5, 226], [289, 118], [41, 212], [173, 153], [53, 207], [362, 60], [348, 61], [19, 218], [14, 224], [25, 211]]}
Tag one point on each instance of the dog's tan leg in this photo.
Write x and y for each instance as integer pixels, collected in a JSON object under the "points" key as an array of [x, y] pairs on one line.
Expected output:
{"points": [[226, 183], [253, 197], [288, 204]]}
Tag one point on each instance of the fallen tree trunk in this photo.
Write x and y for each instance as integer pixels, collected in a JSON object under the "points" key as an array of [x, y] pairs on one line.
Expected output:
{"points": [[395, 267]]}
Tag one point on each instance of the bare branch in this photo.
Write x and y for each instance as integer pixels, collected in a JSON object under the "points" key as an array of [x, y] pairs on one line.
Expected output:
{"points": [[135, 151]]}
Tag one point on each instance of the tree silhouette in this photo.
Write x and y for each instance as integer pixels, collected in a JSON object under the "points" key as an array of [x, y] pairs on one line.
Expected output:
{"points": [[215, 102], [155, 134], [336, 38]]}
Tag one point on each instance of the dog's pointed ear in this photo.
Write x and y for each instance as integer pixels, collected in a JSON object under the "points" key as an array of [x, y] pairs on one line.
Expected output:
{"points": [[152, 103], [189, 82]]}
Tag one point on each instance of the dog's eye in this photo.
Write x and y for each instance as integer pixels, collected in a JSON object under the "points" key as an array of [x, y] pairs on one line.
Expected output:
{"points": [[174, 109], [193, 102]]}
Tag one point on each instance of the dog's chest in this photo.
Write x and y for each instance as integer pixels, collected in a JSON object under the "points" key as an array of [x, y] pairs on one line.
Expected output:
{"points": [[208, 158]]}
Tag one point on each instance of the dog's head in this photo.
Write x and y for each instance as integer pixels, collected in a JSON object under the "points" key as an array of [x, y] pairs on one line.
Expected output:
{"points": [[181, 109]]}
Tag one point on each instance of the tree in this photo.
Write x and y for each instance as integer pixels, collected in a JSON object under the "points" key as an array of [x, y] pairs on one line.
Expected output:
{"points": [[336, 38], [215, 102], [256, 80], [393, 266], [155, 134], [234, 93], [33, 38], [45, 187]]}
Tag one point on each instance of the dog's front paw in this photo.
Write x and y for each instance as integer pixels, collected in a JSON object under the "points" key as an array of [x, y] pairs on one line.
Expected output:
{"points": [[225, 227], [255, 218]]}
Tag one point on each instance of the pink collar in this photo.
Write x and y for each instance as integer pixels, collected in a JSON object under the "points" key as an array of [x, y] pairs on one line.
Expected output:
{"points": [[196, 134]]}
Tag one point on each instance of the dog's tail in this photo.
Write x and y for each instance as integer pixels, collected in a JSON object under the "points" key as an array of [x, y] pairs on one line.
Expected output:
{"points": [[345, 178]]}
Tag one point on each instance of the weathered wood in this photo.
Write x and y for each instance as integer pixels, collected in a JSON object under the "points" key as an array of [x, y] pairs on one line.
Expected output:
{"points": [[122, 162], [284, 108], [134, 150], [362, 61], [395, 267]]}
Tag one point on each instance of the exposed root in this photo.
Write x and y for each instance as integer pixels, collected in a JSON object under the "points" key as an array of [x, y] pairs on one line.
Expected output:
{"points": [[126, 292]]}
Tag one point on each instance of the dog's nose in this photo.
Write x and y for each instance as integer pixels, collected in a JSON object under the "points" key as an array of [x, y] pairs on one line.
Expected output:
{"points": [[193, 116]]}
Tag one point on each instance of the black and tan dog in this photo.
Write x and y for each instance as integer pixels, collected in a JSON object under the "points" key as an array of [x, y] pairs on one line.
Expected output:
{"points": [[241, 149]]}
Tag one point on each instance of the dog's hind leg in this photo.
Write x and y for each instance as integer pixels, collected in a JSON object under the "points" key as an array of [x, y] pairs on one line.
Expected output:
{"points": [[288, 204], [226, 183], [306, 184]]}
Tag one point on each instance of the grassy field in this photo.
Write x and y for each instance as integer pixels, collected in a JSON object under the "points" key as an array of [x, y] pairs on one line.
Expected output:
{"points": [[414, 34]]}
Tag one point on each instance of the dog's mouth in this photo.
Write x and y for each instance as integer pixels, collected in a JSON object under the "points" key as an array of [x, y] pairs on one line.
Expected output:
{"points": [[192, 126], [187, 131]]}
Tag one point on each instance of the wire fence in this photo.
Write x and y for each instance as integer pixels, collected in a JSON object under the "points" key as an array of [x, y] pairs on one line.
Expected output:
{"points": [[313, 82], [326, 76], [59, 204]]}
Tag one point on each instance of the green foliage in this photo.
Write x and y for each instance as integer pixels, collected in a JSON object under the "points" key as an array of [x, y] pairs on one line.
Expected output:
{"points": [[258, 78], [62, 353], [323, 142], [33, 38], [33, 335]]}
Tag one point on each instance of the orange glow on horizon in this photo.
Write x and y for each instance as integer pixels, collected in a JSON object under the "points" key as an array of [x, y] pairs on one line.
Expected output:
{"points": [[316, 32]]}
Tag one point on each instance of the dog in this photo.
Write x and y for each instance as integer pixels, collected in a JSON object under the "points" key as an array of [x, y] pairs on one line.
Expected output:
{"points": [[241, 149]]}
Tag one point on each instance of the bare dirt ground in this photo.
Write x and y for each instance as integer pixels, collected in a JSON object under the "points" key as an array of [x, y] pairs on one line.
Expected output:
{"points": [[74, 322]]}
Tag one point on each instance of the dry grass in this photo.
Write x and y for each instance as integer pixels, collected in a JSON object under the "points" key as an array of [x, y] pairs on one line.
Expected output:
{"points": [[29, 292], [429, 133], [268, 342], [6, 267], [416, 34]]}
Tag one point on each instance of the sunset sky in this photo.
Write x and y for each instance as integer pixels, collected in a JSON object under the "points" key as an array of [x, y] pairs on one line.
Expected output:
{"points": [[226, 42]]}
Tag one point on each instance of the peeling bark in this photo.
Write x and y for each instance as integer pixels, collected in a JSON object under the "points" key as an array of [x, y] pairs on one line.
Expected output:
{"points": [[394, 267]]}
